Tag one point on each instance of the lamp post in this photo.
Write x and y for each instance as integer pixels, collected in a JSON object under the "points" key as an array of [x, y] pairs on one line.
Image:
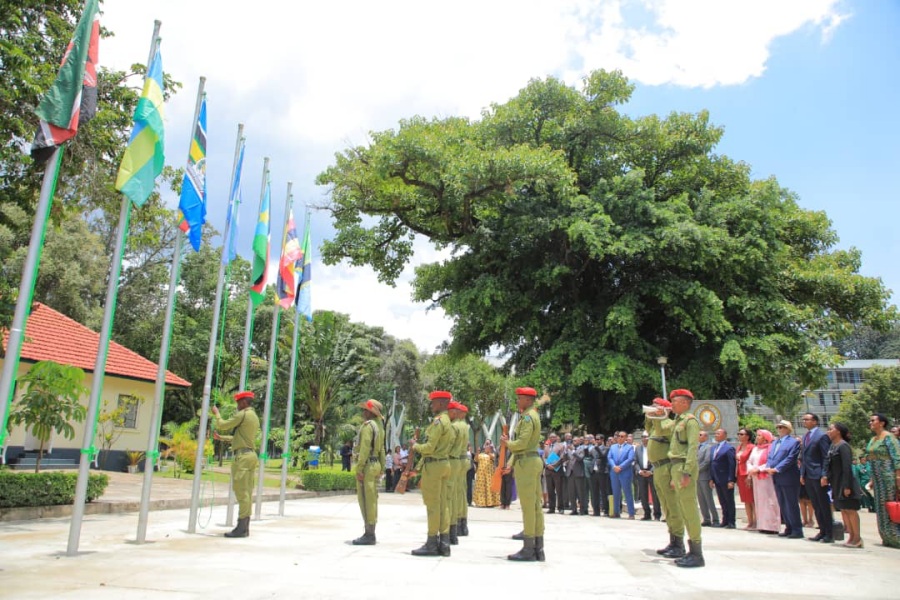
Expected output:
{"points": [[661, 361]]}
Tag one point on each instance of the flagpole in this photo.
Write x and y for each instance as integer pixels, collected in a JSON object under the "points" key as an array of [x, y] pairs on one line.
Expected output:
{"points": [[289, 409], [26, 290], [109, 313], [270, 382], [160, 389], [248, 337], [211, 352]]}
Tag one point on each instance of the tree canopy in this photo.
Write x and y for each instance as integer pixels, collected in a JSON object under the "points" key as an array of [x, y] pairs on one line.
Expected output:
{"points": [[586, 243]]}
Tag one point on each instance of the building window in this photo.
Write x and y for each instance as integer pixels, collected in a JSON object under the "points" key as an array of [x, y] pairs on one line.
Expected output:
{"points": [[129, 406]]}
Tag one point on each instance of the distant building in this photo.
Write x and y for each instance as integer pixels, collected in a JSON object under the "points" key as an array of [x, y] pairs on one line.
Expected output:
{"points": [[826, 401]]}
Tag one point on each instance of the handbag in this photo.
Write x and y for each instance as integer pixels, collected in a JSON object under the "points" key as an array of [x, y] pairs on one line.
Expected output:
{"points": [[893, 510]]}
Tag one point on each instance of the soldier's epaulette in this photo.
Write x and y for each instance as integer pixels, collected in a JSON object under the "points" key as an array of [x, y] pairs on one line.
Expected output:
{"points": [[527, 418]]}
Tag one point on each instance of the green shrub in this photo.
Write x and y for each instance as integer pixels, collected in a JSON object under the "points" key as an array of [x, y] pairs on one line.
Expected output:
{"points": [[323, 481], [46, 489]]}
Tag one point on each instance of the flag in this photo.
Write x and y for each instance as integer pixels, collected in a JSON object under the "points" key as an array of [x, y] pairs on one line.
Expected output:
{"points": [[143, 159], [229, 252], [192, 205], [291, 262], [304, 302], [261, 250], [72, 100]]}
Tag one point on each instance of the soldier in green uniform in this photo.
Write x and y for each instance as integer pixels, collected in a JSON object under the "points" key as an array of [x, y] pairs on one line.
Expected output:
{"points": [[527, 466], [369, 450], [660, 426], [458, 448], [462, 523], [243, 428], [435, 483], [684, 471]]}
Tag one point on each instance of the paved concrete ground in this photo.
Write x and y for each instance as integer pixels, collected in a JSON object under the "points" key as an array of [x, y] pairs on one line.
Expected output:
{"points": [[306, 554]]}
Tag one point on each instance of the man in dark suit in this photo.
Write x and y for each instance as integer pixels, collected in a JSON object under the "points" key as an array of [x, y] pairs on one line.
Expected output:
{"points": [[577, 482], [785, 474], [815, 449], [724, 476], [600, 477], [621, 472], [704, 489], [643, 472], [554, 474]]}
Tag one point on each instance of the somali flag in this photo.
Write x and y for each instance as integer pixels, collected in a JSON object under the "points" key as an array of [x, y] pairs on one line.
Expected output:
{"points": [[229, 252], [143, 159], [192, 205]]}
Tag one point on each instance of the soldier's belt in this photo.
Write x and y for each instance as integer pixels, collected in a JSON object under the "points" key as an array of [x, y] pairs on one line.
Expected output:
{"points": [[525, 454], [677, 460], [662, 462], [430, 459], [663, 440], [244, 451], [463, 457], [373, 459]]}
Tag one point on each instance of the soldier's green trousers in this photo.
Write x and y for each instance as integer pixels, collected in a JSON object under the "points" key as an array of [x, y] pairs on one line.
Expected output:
{"points": [[662, 476], [461, 488], [243, 476], [367, 493], [686, 498], [527, 471], [435, 486], [456, 467]]}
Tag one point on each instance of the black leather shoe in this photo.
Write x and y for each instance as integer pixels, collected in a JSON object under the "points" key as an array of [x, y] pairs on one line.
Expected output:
{"points": [[795, 536], [827, 540], [784, 534], [705, 524], [816, 538], [730, 526]]}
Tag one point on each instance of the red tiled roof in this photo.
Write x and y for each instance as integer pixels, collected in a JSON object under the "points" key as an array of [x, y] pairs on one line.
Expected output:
{"points": [[50, 335]]}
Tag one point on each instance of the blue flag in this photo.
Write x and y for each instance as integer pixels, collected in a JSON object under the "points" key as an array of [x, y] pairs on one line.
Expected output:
{"points": [[229, 251], [192, 204], [304, 301]]}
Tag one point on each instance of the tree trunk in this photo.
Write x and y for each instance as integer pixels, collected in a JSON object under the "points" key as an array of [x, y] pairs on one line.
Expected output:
{"points": [[37, 463]]}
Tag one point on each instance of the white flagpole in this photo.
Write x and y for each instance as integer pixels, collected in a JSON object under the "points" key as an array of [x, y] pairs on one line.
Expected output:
{"points": [[159, 391], [211, 352], [270, 381], [109, 313]]}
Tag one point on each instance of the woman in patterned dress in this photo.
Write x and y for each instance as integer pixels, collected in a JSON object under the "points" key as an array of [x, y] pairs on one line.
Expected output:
{"points": [[883, 454], [483, 496]]}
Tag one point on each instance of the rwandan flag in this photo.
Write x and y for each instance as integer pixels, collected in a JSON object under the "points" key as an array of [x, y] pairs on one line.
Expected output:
{"points": [[143, 159], [229, 252], [291, 262], [72, 100], [304, 302], [192, 205], [261, 250]]}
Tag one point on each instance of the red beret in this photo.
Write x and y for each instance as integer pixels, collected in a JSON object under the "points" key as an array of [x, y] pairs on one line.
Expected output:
{"points": [[526, 391], [454, 405], [243, 395], [440, 395], [463, 407], [662, 402], [682, 392]]}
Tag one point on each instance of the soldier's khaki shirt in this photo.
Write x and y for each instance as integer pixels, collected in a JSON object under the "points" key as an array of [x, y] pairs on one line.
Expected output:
{"points": [[528, 434], [245, 424], [370, 444], [438, 438]]}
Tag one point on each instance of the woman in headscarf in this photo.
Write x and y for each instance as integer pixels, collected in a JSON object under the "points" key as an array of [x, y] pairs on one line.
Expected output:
{"points": [[768, 515], [483, 496]]}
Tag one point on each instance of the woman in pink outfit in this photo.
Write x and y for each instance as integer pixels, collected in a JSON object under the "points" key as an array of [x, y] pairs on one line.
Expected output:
{"points": [[768, 515]]}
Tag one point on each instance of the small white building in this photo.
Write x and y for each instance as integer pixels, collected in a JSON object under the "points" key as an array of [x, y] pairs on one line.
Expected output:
{"points": [[50, 335]]}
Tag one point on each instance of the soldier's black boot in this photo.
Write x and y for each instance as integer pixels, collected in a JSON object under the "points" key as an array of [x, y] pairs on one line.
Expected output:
{"points": [[677, 550], [668, 547], [694, 558], [463, 528], [519, 536], [429, 549], [526, 553], [539, 548], [242, 529], [367, 539], [453, 535], [444, 544]]}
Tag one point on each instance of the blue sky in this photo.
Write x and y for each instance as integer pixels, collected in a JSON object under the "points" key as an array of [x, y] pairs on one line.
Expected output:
{"points": [[806, 91]]}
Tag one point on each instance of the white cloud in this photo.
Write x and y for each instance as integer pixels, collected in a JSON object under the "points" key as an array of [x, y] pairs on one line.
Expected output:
{"points": [[310, 78]]}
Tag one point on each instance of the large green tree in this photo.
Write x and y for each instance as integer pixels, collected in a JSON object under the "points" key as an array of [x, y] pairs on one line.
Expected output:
{"points": [[880, 392], [586, 243]]}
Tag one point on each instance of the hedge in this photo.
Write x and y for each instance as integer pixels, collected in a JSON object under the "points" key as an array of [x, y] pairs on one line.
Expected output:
{"points": [[323, 481], [46, 489]]}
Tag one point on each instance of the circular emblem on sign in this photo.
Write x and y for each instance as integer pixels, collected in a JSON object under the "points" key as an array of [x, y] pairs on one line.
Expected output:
{"points": [[709, 416]]}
